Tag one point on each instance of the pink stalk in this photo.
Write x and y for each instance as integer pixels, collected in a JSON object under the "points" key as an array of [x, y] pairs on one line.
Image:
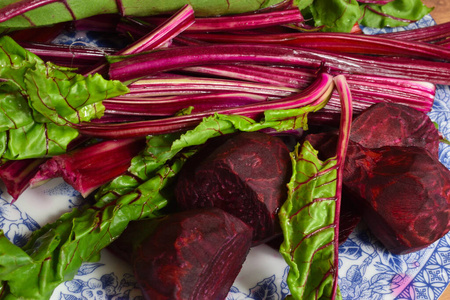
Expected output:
{"points": [[86, 169], [444, 43], [274, 75], [180, 21], [68, 55], [169, 106], [433, 34], [158, 37], [147, 64], [18, 8], [16, 175], [344, 137], [337, 43], [241, 21], [320, 90], [173, 85]]}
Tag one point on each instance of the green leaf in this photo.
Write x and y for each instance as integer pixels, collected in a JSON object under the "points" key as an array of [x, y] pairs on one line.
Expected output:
{"points": [[307, 219], [157, 152], [413, 10], [39, 101], [335, 15], [218, 124], [65, 97], [14, 110], [302, 4], [15, 62], [37, 140]]}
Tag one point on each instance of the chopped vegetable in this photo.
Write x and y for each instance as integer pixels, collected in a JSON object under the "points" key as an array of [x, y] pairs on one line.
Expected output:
{"points": [[244, 174], [393, 176], [390, 124], [403, 193], [57, 250], [194, 254]]}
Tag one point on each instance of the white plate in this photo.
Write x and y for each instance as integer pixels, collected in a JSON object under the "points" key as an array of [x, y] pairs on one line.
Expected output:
{"points": [[366, 270]]}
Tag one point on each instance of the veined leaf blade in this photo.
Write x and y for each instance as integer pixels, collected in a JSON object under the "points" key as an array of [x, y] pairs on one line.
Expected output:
{"points": [[308, 220]]}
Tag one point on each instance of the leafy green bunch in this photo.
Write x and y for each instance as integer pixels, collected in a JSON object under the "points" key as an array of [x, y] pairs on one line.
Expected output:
{"points": [[40, 102]]}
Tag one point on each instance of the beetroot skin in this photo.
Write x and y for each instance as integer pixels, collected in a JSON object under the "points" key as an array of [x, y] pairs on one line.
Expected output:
{"points": [[393, 175], [245, 174], [390, 124], [404, 195], [192, 255]]}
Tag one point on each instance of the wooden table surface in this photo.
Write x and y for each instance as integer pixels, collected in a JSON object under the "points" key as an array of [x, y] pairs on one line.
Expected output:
{"points": [[440, 14]]}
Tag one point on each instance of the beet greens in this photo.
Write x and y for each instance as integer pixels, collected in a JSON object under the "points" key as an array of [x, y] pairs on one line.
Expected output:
{"points": [[310, 216], [42, 100]]}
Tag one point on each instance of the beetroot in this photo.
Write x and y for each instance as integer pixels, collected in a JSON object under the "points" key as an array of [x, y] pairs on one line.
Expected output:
{"points": [[244, 174], [405, 195], [390, 124], [192, 255]]}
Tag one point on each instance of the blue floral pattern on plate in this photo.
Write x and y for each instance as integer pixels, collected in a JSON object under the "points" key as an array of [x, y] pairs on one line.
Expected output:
{"points": [[366, 269], [107, 286], [16, 225]]}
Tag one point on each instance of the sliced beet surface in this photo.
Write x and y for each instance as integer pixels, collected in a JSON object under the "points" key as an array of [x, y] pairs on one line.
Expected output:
{"points": [[245, 174], [192, 255]]}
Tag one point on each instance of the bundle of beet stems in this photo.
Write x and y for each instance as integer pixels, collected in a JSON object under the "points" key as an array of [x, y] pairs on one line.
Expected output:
{"points": [[181, 69]]}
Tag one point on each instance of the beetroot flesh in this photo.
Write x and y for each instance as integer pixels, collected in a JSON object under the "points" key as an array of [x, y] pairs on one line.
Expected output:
{"points": [[192, 255], [244, 174], [405, 195], [390, 124]]}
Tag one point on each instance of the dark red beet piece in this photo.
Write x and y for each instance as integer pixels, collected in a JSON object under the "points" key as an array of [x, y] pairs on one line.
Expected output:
{"points": [[390, 124], [404, 195], [244, 174], [192, 255]]}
